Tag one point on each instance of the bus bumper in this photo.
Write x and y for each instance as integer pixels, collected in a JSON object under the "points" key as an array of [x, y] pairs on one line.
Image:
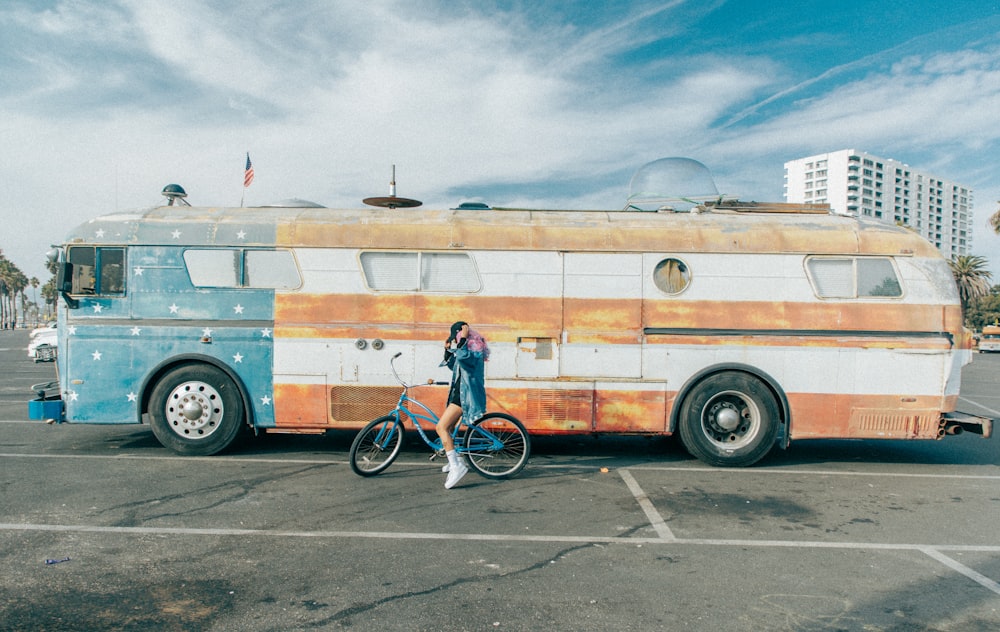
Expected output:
{"points": [[46, 407], [958, 422]]}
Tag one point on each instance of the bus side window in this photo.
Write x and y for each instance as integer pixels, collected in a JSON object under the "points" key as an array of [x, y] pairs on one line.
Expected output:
{"points": [[272, 269], [453, 273], [84, 259], [112, 279], [98, 271], [671, 276], [877, 277], [854, 277]]}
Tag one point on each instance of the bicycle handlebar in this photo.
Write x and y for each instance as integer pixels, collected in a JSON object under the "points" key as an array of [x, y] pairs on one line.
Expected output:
{"points": [[430, 382]]}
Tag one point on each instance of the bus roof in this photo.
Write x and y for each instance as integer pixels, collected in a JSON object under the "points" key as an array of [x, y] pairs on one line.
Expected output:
{"points": [[506, 229]]}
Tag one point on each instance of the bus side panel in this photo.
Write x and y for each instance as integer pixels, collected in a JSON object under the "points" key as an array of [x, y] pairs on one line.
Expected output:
{"points": [[112, 351]]}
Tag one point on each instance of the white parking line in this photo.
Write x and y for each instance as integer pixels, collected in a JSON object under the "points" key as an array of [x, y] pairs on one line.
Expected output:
{"points": [[975, 403], [655, 519], [664, 535], [219, 460], [980, 579]]}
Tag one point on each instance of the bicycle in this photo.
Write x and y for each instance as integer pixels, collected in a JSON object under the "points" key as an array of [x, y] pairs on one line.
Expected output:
{"points": [[496, 445]]}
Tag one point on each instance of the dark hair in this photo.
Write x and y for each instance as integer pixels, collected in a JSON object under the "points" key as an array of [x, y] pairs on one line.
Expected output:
{"points": [[455, 328]]}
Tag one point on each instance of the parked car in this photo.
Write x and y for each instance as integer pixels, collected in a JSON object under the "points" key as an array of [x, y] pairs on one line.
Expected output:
{"points": [[44, 344], [47, 327]]}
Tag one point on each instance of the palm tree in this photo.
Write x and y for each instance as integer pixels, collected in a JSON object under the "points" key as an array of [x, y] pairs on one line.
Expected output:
{"points": [[5, 278], [12, 283], [994, 221], [34, 283], [972, 278]]}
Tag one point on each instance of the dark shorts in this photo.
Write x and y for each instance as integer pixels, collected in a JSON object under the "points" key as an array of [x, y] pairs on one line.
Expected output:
{"points": [[454, 394]]}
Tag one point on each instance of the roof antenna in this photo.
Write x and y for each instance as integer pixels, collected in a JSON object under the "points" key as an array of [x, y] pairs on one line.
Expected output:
{"points": [[392, 201], [175, 194]]}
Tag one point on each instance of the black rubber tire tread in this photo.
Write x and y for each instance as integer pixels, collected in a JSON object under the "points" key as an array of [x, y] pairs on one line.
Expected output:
{"points": [[368, 459], [222, 434], [504, 463], [731, 387]]}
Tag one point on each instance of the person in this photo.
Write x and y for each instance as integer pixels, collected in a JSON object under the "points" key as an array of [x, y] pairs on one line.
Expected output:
{"points": [[465, 353]]}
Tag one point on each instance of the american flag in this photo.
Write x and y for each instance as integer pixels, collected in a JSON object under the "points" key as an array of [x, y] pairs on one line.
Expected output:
{"points": [[248, 174]]}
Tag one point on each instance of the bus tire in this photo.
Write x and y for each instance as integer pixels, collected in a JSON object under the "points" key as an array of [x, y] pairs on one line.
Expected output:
{"points": [[729, 419], [196, 410]]}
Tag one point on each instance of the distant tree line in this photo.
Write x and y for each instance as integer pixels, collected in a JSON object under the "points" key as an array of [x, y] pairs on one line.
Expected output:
{"points": [[980, 298], [15, 304]]}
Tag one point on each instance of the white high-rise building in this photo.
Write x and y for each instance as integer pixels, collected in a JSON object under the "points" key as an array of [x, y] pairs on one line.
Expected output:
{"points": [[859, 184]]}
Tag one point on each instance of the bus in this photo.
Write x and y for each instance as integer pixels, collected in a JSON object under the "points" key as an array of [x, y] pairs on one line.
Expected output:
{"points": [[989, 341], [737, 326]]}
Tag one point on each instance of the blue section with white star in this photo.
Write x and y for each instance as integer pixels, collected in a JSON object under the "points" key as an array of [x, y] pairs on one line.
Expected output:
{"points": [[114, 346]]}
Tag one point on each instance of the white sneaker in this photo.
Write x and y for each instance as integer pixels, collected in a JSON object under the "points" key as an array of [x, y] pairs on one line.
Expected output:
{"points": [[447, 466], [456, 474]]}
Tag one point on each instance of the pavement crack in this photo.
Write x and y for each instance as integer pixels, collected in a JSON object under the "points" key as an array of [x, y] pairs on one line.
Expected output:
{"points": [[362, 608]]}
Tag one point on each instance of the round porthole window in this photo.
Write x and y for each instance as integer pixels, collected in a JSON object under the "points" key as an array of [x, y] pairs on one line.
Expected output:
{"points": [[672, 276]]}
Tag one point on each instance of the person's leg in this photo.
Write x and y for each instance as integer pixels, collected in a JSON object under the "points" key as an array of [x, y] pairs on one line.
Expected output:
{"points": [[446, 423]]}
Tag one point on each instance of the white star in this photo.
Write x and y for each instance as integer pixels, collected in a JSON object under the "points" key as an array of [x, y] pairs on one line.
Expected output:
{"points": [[100, 233], [241, 235], [138, 271], [132, 397], [206, 332], [71, 329], [73, 396], [97, 308], [174, 308], [96, 355], [238, 357], [135, 331], [176, 234], [265, 401], [238, 309], [265, 333]]}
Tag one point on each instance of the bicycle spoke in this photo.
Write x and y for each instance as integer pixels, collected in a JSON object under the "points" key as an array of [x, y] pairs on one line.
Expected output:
{"points": [[497, 445], [376, 446]]}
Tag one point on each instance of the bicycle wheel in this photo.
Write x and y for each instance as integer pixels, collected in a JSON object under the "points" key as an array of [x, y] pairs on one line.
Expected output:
{"points": [[497, 445], [376, 446]]}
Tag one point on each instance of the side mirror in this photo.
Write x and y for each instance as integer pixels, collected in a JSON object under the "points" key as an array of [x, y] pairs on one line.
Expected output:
{"points": [[64, 283], [64, 277]]}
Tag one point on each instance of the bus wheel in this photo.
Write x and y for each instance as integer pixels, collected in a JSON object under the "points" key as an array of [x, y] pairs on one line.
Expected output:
{"points": [[196, 410], [729, 419]]}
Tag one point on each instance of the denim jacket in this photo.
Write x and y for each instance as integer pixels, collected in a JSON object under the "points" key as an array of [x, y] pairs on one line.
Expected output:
{"points": [[469, 369]]}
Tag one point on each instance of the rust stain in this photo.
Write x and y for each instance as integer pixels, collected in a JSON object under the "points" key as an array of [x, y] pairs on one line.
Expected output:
{"points": [[420, 317], [597, 231], [830, 416], [300, 405], [413, 317]]}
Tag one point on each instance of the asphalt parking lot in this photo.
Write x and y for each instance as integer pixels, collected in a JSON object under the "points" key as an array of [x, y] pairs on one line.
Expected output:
{"points": [[616, 533]]}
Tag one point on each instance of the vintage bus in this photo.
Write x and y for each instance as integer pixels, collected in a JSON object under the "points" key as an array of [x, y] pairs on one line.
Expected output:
{"points": [[738, 326], [989, 341]]}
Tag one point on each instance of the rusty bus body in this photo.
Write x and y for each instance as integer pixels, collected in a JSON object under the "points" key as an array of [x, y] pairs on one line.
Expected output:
{"points": [[735, 326]]}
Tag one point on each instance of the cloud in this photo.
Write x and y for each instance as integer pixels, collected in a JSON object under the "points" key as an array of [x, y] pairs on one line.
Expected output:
{"points": [[527, 104]]}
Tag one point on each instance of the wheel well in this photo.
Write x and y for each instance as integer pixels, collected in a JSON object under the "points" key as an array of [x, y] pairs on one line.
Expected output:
{"points": [[770, 382], [154, 376]]}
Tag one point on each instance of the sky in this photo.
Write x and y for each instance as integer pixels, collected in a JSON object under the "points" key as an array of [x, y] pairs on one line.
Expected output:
{"points": [[514, 103]]}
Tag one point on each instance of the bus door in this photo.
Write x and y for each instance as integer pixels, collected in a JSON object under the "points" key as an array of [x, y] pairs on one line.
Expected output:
{"points": [[602, 316], [601, 355]]}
